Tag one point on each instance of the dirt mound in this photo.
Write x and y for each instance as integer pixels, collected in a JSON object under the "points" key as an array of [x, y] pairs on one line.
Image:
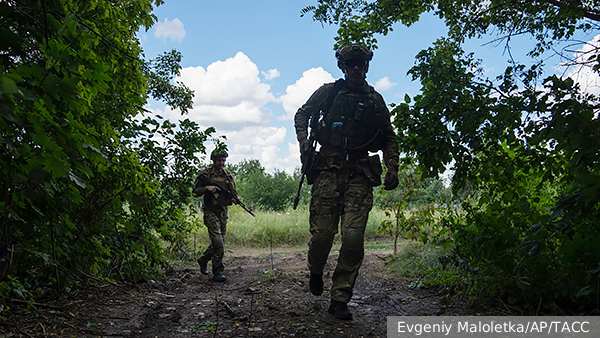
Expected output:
{"points": [[266, 295]]}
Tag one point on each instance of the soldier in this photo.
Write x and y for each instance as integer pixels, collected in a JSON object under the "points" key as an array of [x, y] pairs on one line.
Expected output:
{"points": [[349, 120], [215, 211]]}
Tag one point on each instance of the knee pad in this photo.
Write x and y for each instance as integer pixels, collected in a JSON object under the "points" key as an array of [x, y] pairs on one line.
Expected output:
{"points": [[217, 242], [353, 240], [321, 243]]}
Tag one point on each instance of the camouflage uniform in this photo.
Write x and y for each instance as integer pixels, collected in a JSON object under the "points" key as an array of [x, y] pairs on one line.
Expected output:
{"points": [[344, 174], [215, 216]]}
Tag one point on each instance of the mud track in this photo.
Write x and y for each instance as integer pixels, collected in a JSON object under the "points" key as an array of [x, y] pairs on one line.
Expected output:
{"points": [[266, 295]]}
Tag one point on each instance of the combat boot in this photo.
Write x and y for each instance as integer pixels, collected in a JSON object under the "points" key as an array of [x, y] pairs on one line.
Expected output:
{"points": [[339, 310], [315, 284], [203, 267], [219, 278]]}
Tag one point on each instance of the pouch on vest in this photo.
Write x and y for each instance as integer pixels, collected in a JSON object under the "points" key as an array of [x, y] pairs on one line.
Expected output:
{"points": [[372, 169], [335, 135]]}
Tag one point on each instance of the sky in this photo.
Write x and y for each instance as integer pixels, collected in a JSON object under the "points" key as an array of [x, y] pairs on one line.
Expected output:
{"points": [[252, 64]]}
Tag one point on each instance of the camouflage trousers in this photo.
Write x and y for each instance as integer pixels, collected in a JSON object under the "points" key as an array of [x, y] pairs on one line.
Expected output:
{"points": [[346, 195], [216, 223]]}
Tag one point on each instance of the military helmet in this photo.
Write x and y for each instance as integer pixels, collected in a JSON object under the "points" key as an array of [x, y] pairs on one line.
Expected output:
{"points": [[216, 153], [353, 51]]}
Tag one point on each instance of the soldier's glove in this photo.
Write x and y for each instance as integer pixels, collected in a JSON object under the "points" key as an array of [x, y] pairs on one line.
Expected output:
{"points": [[391, 179], [304, 146]]}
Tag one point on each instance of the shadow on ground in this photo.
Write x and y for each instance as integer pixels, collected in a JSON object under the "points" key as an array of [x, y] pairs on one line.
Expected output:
{"points": [[266, 295]]}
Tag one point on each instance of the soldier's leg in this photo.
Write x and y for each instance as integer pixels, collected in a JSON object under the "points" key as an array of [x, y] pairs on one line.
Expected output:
{"points": [[211, 222], [214, 252], [223, 220], [325, 209], [219, 244], [358, 201]]}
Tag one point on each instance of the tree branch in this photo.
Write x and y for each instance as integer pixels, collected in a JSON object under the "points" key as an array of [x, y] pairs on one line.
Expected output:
{"points": [[586, 13]]}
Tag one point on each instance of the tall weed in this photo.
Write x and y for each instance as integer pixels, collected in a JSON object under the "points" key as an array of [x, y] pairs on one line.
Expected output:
{"points": [[273, 229]]}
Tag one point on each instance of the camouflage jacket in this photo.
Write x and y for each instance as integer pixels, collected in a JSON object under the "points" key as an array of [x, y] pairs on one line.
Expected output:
{"points": [[358, 122], [222, 177]]}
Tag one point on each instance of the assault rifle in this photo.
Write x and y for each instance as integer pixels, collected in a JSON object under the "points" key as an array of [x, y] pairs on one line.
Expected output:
{"points": [[307, 163], [224, 193]]}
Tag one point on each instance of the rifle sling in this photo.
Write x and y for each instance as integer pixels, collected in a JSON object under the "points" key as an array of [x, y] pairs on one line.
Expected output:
{"points": [[337, 86]]}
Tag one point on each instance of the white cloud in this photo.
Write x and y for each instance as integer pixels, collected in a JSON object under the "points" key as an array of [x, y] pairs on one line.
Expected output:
{"points": [[170, 29], [260, 143], [228, 94], [221, 116], [258, 136], [265, 144], [588, 80], [292, 161], [228, 82], [384, 84], [271, 74], [297, 94]]}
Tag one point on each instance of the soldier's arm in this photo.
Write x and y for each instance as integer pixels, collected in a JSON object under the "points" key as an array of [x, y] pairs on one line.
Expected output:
{"points": [[233, 188], [199, 188], [303, 114], [389, 142]]}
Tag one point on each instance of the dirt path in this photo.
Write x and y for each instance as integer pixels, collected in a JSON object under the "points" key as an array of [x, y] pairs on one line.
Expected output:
{"points": [[265, 296]]}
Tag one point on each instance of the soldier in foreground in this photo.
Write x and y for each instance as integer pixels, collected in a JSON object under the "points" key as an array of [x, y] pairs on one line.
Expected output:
{"points": [[348, 119], [218, 187]]}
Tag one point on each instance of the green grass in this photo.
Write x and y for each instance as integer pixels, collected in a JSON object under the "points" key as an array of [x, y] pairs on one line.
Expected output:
{"points": [[289, 229], [278, 229], [380, 245], [414, 258]]}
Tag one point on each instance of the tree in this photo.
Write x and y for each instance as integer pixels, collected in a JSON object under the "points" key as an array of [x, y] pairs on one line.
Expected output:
{"points": [[529, 145], [271, 191], [80, 172], [246, 168]]}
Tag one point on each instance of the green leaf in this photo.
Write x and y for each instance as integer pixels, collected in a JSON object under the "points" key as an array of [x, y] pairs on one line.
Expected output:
{"points": [[76, 180], [8, 85]]}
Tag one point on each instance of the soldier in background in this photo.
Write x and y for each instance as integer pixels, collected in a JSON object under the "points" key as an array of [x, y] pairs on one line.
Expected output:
{"points": [[215, 211], [349, 120]]}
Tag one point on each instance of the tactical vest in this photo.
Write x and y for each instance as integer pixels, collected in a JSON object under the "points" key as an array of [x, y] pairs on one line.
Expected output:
{"points": [[224, 181], [350, 123]]}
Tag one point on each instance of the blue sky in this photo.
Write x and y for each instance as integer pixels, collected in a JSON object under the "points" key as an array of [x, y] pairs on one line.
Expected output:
{"points": [[252, 64]]}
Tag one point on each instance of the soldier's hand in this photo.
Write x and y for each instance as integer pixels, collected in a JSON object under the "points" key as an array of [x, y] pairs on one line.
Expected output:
{"points": [[304, 146], [391, 179]]}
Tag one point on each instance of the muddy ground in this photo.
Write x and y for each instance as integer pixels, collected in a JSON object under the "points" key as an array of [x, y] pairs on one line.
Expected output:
{"points": [[266, 295]]}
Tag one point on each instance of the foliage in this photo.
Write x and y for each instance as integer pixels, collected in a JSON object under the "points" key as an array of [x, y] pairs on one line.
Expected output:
{"points": [[206, 325], [398, 227], [245, 168], [277, 228], [173, 162], [513, 145], [359, 20], [527, 145], [547, 21], [88, 189], [427, 190], [414, 216], [430, 261], [264, 190]]}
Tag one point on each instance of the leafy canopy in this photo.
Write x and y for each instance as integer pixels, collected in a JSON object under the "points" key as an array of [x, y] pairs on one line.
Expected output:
{"points": [[87, 185], [528, 144]]}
